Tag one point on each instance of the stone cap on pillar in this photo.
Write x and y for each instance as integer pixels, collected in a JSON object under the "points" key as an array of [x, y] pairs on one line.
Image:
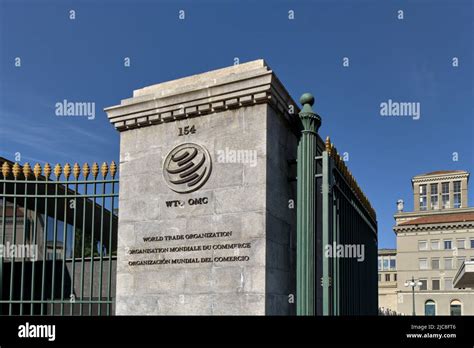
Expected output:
{"points": [[228, 88]]}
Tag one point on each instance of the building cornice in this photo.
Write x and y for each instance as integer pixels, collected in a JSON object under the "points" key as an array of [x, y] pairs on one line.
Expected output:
{"points": [[421, 213], [440, 177], [208, 93], [433, 227]]}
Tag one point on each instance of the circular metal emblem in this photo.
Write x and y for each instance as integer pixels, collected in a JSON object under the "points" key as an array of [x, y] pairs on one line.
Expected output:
{"points": [[187, 167]]}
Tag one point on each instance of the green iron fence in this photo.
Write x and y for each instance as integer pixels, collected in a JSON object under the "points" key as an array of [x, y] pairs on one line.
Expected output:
{"points": [[332, 213], [58, 239]]}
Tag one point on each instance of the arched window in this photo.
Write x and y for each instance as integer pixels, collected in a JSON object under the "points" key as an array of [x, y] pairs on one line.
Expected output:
{"points": [[430, 307], [455, 307]]}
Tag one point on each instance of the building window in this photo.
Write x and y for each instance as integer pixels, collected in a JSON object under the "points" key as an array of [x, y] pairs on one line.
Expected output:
{"points": [[430, 308], [457, 194], [461, 261], [435, 245], [380, 277], [393, 265], [455, 307], [380, 263], [387, 277], [385, 264], [435, 284], [423, 263], [434, 196], [472, 243], [422, 245], [448, 245], [423, 199], [394, 277], [434, 263], [448, 284], [460, 243], [424, 284], [448, 263], [445, 194]]}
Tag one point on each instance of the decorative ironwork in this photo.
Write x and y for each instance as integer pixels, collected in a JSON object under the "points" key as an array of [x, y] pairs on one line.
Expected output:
{"points": [[75, 232], [5, 169], [332, 210], [36, 170], [47, 170]]}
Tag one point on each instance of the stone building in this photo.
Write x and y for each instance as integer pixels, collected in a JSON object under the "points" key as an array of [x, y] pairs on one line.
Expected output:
{"points": [[387, 279], [433, 242]]}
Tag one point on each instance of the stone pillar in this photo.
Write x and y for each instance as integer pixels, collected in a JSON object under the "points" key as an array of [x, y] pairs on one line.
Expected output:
{"points": [[206, 223]]}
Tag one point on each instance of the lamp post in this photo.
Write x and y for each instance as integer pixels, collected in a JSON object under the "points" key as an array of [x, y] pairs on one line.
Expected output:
{"points": [[413, 283]]}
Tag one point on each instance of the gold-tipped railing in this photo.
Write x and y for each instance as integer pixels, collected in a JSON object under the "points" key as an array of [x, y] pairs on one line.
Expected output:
{"points": [[341, 166], [27, 173]]}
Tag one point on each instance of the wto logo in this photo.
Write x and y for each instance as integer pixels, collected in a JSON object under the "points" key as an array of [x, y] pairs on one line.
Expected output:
{"points": [[187, 167]]}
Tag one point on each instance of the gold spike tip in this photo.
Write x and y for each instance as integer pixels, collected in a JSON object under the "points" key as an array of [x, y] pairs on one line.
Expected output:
{"points": [[16, 170], [85, 170], [5, 169], [113, 169], [327, 144], [104, 169], [95, 170], [76, 170], [47, 170], [26, 170], [37, 170], [67, 170], [57, 170]]}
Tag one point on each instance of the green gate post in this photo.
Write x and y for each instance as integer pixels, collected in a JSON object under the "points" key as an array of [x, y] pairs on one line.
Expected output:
{"points": [[306, 208]]}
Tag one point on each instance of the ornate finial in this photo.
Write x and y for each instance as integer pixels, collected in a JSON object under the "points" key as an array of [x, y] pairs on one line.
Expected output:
{"points": [[57, 170], [47, 170], [95, 169], [5, 169], [113, 169], [26, 170], [76, 170], [67, 170], [104, 169], [37, 170], [327, 145], [85, 171], [311, 121], [16, 170], [307, 98]]}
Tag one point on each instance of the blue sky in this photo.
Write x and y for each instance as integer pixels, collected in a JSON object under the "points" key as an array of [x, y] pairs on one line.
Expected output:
{"points": [[407, 60]]}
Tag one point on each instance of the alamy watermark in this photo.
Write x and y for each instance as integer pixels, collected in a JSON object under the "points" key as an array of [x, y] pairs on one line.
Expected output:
{"points": [[393, 108], [334, 250], [20, 251], [67, 108], [237, 156]]}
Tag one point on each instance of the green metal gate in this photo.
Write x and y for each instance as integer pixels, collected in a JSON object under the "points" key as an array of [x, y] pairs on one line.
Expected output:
{"points": [[58, 239], [332, 213]]}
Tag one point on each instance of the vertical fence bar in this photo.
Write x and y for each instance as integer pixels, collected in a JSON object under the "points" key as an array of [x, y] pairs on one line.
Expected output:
{"points": [[76, 171], [95, 171], [113, 169], [325, 233], [16, 170], [25, 220], [101, 251], [85, 174], [37, 171], [47, 173], [5, 173], [67, 172], [57, 172], [110, 248], [306, 202]]}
